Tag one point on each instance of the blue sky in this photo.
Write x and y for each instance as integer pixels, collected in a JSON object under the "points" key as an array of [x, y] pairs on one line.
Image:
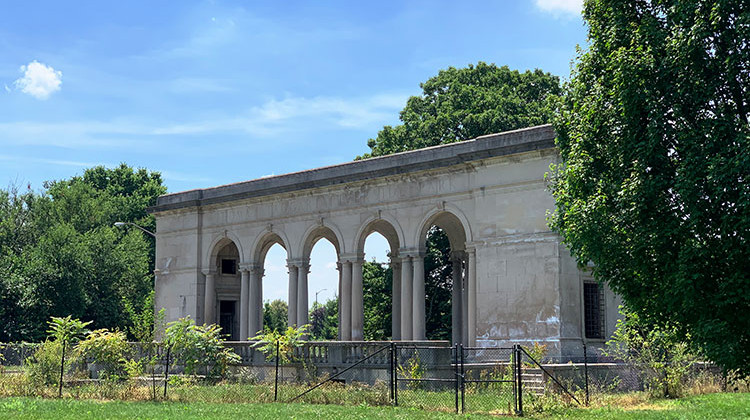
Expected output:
{"points": [[215, 92]]}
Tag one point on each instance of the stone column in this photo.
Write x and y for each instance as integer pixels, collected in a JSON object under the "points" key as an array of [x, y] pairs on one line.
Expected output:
{"points": [[396, 299], [246, 308], [418, 322], [471, 298], [292, 304], [303, 310], [254, 297], [209, 302], [338, 294], [261, 273], [407, 290], [456, 299], [465, 301], [346, 302], [358, 314]]}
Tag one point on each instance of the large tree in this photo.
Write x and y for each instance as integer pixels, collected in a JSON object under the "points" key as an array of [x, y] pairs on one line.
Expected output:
{"points": [[464, 103], [654, 185], [61, 255]]}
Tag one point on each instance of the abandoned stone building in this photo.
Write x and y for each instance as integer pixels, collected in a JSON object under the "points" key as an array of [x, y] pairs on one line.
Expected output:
{"points": [[515, 282]]}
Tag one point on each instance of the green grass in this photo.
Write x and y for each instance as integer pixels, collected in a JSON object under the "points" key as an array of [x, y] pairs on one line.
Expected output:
{"points": [[31, 408], [711, 406]]}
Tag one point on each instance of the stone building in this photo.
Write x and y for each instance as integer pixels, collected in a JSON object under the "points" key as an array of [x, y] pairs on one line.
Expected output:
{"points": [[515, 280]]}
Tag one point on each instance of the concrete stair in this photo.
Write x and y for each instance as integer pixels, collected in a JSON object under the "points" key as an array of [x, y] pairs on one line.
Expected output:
{"points": [[533, 380]]}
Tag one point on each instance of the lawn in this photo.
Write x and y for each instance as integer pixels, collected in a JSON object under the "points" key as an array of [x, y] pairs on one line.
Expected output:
{"points": [[712, 406]]}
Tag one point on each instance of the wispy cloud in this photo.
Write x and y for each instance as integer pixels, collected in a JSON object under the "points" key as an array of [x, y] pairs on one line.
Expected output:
{"points": [[39, 80], [57, 162], [275, 117], [567, 7]]}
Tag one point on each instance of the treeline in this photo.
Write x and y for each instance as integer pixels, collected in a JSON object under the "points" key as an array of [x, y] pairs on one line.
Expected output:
{"points": [[61, 255]]}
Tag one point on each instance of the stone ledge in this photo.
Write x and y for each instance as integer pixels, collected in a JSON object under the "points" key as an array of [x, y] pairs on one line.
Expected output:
{"points": [[492, 145]]}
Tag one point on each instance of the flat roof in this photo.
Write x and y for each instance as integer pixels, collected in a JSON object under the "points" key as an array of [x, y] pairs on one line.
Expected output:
{"points": [[491, 145]]}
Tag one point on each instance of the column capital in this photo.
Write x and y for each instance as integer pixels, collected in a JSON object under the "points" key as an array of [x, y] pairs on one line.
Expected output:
{"points": [[250, 267], [412, 252], [208, 271], [352, 257], [298, 262]]}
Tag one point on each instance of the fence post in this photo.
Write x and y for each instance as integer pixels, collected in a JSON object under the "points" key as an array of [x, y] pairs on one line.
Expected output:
{"points": [[276, 380], [166, 371], [390, 373], [395, 374], [463, 381], [455, 372], [519, 379], [586, 372]]}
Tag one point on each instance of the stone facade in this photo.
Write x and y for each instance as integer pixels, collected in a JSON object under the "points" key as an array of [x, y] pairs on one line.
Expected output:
{"points": [[518, 283]]}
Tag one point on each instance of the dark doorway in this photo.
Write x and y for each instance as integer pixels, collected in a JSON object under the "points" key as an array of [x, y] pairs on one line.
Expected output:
{"points": [[227, 315]]}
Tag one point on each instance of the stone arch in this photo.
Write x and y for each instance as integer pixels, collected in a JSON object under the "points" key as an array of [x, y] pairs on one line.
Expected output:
{"points": [[385, 225], [451, 220], [217, 244], [456, 227], [321, 231], [264, 242]]}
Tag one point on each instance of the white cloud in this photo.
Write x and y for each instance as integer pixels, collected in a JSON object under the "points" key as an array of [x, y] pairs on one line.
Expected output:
{"points": [[39, 80], [560, 6]]}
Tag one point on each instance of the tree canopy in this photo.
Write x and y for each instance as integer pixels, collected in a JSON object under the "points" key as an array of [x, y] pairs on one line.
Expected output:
{"points": [[60, 254], [654, 185], [464, 103]]}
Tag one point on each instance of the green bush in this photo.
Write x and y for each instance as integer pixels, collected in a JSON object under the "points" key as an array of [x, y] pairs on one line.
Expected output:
{"points": [[658, 353], [199, 348], [108, 349], [291, 339], [43, 368]]}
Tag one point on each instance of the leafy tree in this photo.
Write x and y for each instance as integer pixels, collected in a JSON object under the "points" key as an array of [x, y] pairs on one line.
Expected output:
{"points": [[461, 104], [324, 320], [438, 285], [275, 315], [654, 185], [377, 291], [60, 254]]}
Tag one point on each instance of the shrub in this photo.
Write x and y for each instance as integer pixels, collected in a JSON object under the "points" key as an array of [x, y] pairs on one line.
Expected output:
{"points": [[291, 339], [108, 350], [43, 368], [659, 355], [199, 346]]}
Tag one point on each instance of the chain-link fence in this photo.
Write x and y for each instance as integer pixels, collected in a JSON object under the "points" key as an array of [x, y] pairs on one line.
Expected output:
{"points": [[426, 375]]}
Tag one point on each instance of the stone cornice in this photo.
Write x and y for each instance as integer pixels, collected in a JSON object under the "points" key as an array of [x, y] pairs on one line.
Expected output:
{"points": [[493, 145]]}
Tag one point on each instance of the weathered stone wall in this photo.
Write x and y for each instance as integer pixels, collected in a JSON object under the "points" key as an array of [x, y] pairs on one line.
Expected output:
{"points": [[492, 203]]}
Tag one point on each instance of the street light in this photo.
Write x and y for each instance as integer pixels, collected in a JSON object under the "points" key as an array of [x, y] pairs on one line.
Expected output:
{"points": [[121, 224], [316, 295]]}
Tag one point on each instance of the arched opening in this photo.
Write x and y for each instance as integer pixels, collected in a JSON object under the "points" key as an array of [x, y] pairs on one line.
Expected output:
{"points": [[323, 291], [377, 278], [378, 244], [319, 284], [275, 289], [445, 275], [222, 293], [268, 297]]}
